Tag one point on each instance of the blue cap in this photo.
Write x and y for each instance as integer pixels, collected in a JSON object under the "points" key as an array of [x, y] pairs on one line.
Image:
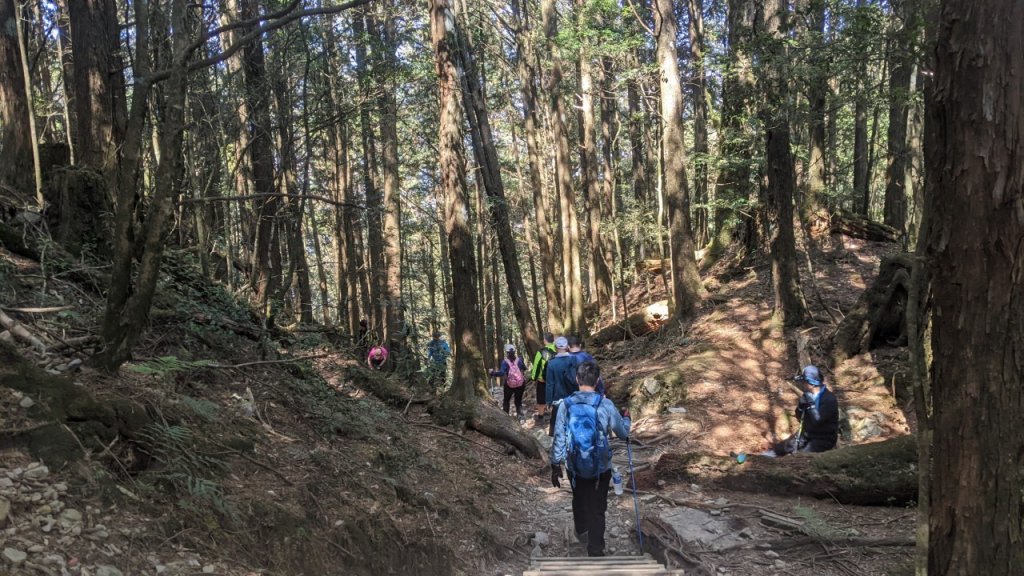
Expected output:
{"points": [[812, 376], [561, 342]]}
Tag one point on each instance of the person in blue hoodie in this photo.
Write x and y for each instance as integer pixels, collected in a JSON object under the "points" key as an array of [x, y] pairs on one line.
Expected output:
{"points": [[818, 412], [589, 494]]}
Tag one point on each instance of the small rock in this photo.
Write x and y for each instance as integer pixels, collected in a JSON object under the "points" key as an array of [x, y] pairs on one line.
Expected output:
{"points": [[14, 556], [108, 571], [615, 532], [746, 533], [75, 363], [60, 487], [160, 568], [6, 483], [763, 546], [780, 564], [36, 548], [37, 473], [721, 502], [715, 512], [209, 569], [541, 539], [771, 554], [27, 402], [69, 517], [43, 510]]}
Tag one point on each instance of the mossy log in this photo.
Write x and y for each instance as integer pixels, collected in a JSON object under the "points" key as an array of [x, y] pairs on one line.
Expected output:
{"points": [[73, 418], [879, 317], [883, 473]]}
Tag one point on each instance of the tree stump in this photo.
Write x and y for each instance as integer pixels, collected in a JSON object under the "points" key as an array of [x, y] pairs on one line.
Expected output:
{"points": [[879, 317]]}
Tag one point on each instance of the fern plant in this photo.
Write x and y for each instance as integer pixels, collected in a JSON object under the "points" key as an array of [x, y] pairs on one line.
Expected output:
{"points": [[164, 365]]}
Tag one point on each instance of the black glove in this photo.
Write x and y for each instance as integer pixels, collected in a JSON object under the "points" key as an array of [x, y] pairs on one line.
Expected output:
{"points": [[556, 475]]}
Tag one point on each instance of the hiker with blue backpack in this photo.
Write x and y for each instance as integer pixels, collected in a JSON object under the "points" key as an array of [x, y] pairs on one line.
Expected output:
{"points": [[513, 370], [583, 425]]}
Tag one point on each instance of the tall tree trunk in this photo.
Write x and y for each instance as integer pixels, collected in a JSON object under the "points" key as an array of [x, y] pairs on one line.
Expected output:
{"points": [[265, 266], [789, 306], [486, 156], [687, 288], [637, 128], [526, 60], [99, 85], [700, 120], [737, 141], [374, 199], [975, 176], [600, 275], [608, 210], [130, 296], [572, 284], [901, 69], [394, 315], [15, 139], [466, 384], [861, 185], [817, 92], [240, 166]]}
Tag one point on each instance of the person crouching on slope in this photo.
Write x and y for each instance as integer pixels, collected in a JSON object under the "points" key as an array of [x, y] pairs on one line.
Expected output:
{"points": [[583, 424], [512, 370], [377, 357], [818, 412]]}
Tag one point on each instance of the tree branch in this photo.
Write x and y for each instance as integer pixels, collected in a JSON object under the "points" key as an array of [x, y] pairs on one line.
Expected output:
{"points": [[271, 195]]}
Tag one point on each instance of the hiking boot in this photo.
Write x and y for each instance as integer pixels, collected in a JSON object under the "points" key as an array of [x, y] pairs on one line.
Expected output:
{"points": [[581, 537], [595, 554], [522, 419]]}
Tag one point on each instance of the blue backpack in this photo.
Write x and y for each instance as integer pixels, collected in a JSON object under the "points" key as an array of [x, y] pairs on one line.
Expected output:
{"points": [[587, 442]]}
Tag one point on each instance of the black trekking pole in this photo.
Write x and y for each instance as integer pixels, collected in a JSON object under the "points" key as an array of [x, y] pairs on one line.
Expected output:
{"points": [[636, 500]]}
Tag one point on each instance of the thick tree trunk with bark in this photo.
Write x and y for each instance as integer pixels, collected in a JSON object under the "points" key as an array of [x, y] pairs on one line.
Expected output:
{"points": [[573, 321], [687, 288], [15, 140], [861, 186], [901, 70], [100, 105], [394, 314], [374, 200], [817, 92], [789, 303], [975, 211], [467, 384], [700, 120], [526, 60]]}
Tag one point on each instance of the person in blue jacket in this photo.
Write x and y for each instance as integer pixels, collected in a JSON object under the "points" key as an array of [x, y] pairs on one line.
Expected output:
{"points": [[559, 377], [589, 495], [576, 351], [514, 383]]}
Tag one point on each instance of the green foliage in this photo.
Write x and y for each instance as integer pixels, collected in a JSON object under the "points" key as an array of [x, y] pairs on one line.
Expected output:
{"points": [[204, 409], [185, 471], [815, 526], [165, 365]]}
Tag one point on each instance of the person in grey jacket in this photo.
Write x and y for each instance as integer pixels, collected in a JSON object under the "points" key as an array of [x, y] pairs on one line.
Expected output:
{"points": [[589, 495]]}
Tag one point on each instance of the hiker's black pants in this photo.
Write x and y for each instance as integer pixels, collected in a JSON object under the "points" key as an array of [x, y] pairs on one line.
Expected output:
{"points": [[509, 394], [589, 503], [803, 444]]}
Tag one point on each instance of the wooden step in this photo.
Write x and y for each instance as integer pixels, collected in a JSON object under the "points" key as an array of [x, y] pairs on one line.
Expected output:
{"points": [[585, 566]]}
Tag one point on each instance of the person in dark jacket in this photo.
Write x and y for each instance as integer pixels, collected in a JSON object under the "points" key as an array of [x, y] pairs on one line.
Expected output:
{"points": [[818, 412], [560, 378]]}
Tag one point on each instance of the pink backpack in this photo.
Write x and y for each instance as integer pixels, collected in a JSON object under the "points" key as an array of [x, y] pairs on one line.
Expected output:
{"points": [[515, 375]]}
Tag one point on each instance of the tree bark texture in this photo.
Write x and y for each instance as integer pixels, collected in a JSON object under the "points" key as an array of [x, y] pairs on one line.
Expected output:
{"points": [[374, 199], [100, 105], [901, 69], [466, 336], [687, 288], [573, 321], [699, 89], [15, 141], [975, 211], [817, 93], [526, 66], [789, 304], [394, 314], [861, 186]]}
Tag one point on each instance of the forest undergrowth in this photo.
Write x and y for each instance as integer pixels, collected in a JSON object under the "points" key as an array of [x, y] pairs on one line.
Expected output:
{"points": [[227, 449]]}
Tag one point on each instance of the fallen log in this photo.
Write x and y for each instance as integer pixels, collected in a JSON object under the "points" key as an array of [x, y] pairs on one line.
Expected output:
{"points": [[653, 266], [858, 226], [883, 473], [494, 423], [19, 331], [647, 320]]}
